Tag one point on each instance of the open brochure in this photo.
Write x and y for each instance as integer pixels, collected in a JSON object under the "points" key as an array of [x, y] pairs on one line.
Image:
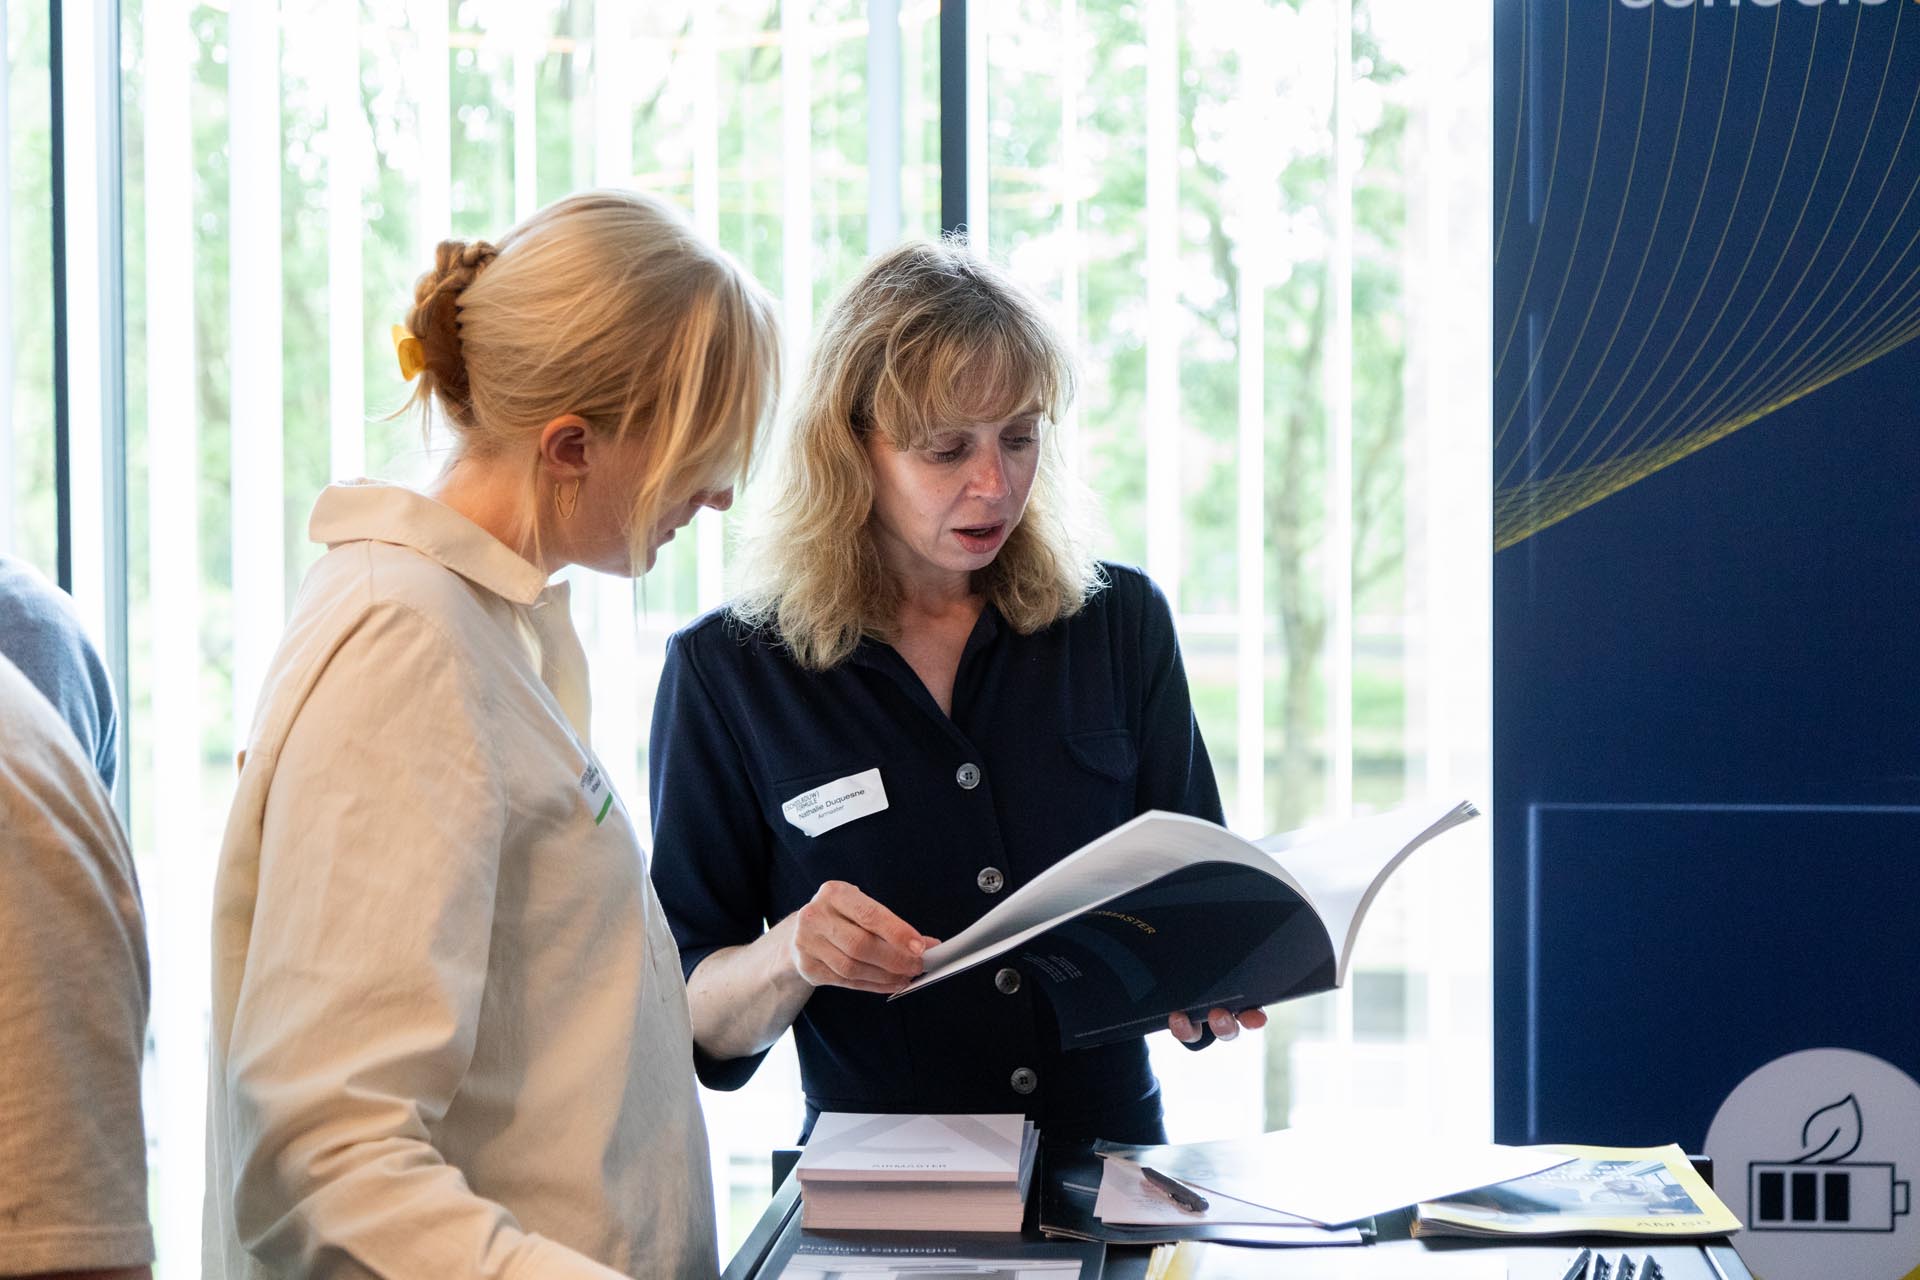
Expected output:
{"points": [[1170, 913], [1337, 1173], [1601, 1191]]}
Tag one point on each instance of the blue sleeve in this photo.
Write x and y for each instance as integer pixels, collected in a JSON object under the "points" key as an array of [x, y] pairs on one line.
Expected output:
{"points": [[711, 859], [1175, 771], [41, 635]]}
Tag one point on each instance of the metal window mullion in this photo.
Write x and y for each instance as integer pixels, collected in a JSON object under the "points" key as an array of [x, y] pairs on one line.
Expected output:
{"points": [[1339, 499], [703, 51], [8, 534], [77, 285], [180, 882], [1452, 316], [433, 76], [606, 622], [1257, 184], [885, 118], [796, 178], [348, 146], [529, 40], [612, 94], [1072, 252], [581, 56], [955, 151], [1162, 425], [913, 131], [91, 365], [708, 527], [976, 71], [1339, 402], [255, 292], [57, 192]]}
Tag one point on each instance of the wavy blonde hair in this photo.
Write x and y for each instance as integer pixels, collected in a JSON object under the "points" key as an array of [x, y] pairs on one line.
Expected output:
{"points": [[606, 305], [929, 334]]}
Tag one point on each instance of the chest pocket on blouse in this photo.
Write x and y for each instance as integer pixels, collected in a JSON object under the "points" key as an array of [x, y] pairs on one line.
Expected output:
{"points": [[849, 845], [1099, 792], [1107, 752]]}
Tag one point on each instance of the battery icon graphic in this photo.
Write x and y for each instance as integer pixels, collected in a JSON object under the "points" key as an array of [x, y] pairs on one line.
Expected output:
{"points": [[1789, 1196], [1823, 1190]]}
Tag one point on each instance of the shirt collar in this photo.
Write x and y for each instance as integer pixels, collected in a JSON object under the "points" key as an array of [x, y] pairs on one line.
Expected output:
{"points": [[372, 511], [872, 652]]}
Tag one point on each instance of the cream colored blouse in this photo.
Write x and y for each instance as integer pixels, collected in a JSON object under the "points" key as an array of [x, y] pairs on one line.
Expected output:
{"points": [[450, 1034]]}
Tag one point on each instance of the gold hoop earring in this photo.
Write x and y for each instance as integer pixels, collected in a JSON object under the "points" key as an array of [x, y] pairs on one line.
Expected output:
{"points": [[566, 499]]}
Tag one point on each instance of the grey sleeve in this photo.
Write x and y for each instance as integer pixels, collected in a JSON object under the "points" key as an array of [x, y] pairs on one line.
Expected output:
{"points": [[73, 1007]]}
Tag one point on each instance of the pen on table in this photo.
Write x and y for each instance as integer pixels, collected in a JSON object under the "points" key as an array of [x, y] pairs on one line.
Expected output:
{"points": [[1183, 1195], [1650, 1269], [1579, 1267], [1602, 1269], [1625, 1270]]}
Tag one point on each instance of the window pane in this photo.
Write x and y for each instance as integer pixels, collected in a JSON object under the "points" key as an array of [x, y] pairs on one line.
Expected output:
{"points": [[1234, 210], [27, 502]]}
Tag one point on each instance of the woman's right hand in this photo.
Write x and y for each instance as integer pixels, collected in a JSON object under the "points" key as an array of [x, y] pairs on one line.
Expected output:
{"points": [[843, 938]]}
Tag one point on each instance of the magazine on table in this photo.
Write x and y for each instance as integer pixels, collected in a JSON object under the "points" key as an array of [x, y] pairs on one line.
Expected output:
{"points": [[1599, 1191]]}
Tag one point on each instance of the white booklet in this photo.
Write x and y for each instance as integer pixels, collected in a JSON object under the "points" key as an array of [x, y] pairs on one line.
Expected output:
{"points": [[1171, 913]]}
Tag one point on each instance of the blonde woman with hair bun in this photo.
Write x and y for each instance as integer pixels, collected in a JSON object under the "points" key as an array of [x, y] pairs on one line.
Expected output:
{"points": [[926, 694], [449, 1035]]}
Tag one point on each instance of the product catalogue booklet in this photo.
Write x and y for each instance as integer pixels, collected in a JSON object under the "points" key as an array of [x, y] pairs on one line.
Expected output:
{"points": [[1601, 1191], [1171, 913]]}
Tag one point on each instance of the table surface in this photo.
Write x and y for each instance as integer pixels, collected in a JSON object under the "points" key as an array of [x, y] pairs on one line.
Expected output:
{"points": [[1394, 1253]]}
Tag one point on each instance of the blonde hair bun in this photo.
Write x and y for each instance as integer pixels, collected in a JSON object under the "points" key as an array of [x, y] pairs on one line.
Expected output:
{"points": [[435, 320]]}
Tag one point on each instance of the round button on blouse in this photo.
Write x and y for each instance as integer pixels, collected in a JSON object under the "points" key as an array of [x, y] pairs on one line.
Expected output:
{"points": [[990, 880], [1024, 1080], [968, 776], [1007, 981]]}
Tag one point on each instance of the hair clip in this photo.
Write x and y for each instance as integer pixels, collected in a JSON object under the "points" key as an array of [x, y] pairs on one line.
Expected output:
{"points": [[407, 348]]}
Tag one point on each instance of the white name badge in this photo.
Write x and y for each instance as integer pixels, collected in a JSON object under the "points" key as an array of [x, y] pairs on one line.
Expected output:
{"points": [[836, 803], [596, 792]]}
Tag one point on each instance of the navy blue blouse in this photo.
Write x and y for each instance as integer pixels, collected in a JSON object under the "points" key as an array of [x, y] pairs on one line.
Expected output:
{"points": [[1054, 739]]}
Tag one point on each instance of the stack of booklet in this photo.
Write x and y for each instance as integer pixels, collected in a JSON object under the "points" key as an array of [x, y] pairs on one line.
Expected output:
{"points": [[864, 1172]]}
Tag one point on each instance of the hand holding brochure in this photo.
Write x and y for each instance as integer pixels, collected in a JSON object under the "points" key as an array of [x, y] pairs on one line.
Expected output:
{"points": [[1169, 913]]}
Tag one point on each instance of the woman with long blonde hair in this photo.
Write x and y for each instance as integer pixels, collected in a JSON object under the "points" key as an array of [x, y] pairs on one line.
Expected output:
{"points": [[927, 694], [449, 1034]]}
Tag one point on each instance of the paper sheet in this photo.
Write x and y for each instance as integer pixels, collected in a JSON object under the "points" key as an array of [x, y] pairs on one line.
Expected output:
{"points": [[1339, 1175], [1128, 1199]]}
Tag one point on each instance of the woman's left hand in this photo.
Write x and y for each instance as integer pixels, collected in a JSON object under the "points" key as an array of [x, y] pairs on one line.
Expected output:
{"points": [[1225, 1025]]}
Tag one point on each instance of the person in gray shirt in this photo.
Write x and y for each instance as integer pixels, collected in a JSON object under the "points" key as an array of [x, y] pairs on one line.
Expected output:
{"points": [[73, 1009], [41, 634]]}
